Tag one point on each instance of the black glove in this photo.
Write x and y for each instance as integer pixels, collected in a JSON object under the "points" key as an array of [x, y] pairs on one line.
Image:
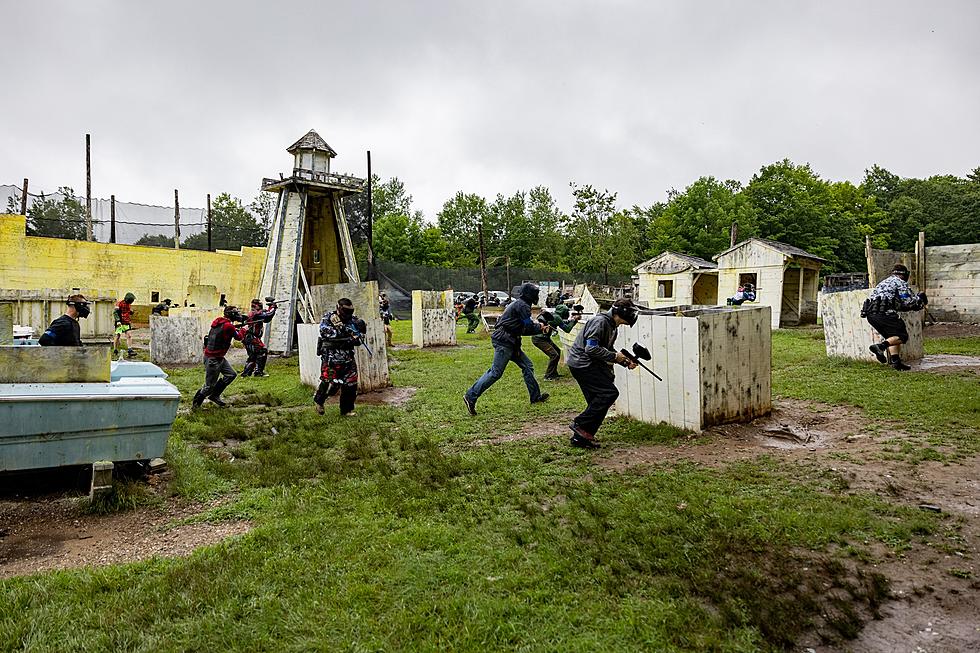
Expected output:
{"points": [[923, 299]]}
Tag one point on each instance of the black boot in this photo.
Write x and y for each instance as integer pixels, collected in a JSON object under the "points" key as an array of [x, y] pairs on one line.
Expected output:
{"points": [[219, 387], [582, 438], [898, 364], [198, 399], [879, 351]]}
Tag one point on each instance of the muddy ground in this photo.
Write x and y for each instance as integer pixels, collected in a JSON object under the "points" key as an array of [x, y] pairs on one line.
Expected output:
{"points": [[934, 586]]}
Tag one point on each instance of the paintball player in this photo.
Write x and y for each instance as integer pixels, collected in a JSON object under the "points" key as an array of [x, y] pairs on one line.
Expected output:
{"points": [[123, 320], [890, 297], [162, 308], [258, 353], [384, 308], [216, 346], [64, 331], [340, 332], [559, 319], [470, 313], [590, 360], [513, 323], [745, 293]]}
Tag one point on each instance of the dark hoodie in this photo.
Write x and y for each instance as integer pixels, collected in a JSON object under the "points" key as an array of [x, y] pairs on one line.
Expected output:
{"points": [[219, 338], [516, 319]]}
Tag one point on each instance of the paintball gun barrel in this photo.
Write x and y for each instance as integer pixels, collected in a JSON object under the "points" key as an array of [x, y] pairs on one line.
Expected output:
{"points": [[640, 353]]}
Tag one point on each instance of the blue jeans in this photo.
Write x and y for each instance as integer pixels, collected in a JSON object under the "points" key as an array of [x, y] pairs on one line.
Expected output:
{"points": [[501, 355]]}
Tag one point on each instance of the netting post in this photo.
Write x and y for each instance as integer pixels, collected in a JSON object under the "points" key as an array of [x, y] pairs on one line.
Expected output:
{"points": [[112, 218], [88, 187], [176, 221]]}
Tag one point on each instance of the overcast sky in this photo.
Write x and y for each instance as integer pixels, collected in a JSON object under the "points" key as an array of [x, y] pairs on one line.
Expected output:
{"points": [[486, 97]]}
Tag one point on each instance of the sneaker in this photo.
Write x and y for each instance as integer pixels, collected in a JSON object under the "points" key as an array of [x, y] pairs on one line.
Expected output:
{"points": [[470, 405], [899, 365], [583, 443], [263, 374], [131, 353], [543, 398], [582, 438], [879, 354], [217, 401], [319, 408], [353, 413]]}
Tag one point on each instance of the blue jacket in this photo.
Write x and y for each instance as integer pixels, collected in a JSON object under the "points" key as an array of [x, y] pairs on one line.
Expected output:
{"points": [[515, 322]]}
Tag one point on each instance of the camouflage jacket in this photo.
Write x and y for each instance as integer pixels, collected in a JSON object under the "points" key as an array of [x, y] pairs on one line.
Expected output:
{"points": [[892, 295]]}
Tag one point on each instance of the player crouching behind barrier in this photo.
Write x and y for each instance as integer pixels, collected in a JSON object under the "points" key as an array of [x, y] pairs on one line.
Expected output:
{"points": [[216, 346], [340, 332], [590, 360], [891, 296]]}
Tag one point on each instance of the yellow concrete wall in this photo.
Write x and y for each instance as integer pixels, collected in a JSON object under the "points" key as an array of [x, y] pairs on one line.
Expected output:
{"points": [[30, 262]]}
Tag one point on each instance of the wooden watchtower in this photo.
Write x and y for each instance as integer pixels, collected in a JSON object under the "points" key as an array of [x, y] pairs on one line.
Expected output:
{"points": [[309, 243]]}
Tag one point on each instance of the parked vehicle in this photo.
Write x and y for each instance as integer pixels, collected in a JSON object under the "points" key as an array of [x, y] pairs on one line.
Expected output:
{"points": [[461, 296], [495, 298]]}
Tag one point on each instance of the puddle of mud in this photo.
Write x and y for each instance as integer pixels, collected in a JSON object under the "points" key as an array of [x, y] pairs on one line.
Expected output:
{"points": [[946, 363]]}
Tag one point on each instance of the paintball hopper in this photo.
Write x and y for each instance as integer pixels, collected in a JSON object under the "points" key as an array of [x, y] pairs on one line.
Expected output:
{"points": [[640, 353], [545, 317], [270, 300]]}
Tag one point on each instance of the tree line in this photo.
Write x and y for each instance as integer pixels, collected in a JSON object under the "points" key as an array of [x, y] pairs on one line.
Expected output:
{"points": [[784, 201]]}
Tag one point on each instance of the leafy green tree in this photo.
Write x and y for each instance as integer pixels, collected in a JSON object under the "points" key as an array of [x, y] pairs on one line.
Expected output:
{"points": [[64, 218], [698, 221], [232, 227], [791, 204], [156, 240], [263, 209], [458, 222], [599, 239]]}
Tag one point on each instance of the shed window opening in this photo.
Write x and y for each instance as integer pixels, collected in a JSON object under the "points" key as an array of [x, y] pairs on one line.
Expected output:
{"points": [[665, 289], [155, 296]]}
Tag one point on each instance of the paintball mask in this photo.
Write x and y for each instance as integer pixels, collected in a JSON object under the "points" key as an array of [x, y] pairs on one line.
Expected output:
{"points": [[256, 305], [233, 314], [345, 310], [529, 293], [80, 304], [129, 298], [901, 271], [626, 311]]}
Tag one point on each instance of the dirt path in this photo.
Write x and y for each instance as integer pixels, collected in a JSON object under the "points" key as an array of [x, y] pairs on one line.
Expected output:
{"points": [[48, 533], [935, 587]]}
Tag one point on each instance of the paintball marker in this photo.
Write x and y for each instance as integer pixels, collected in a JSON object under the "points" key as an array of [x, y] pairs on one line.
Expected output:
{"points": [[577, 310], [640, 353], [352, 328]]}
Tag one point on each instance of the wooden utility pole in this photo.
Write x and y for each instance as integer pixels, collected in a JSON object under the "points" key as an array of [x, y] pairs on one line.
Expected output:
{"points": [[88, 187], [920, 262], [372, 272], [112, 218], [176, 220], [507, 263], [23, 198], [734, 234], [483, 264], [209, 223]]}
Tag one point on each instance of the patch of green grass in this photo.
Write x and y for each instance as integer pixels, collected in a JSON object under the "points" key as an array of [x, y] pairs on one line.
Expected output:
{"points": [[390, 531], [943, 406]]}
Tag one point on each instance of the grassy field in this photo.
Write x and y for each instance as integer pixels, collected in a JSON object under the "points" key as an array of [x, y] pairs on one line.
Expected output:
{"points": [[398, 530]]}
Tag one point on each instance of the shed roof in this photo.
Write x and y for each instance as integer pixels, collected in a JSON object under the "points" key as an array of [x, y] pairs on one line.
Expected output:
{"points": [[311, 141], [783, 248], [694, 261]]}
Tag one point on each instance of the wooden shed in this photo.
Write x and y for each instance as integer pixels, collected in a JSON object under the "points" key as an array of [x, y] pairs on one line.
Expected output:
{"points": [[785, 278], [672, 278]]}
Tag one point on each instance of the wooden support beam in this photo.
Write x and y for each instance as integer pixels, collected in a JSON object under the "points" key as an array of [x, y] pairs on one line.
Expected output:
{"points": [[23, 198], [176, 220]]}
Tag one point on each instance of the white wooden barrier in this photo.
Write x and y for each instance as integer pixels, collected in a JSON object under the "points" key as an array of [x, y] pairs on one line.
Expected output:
{"points": [[372, 371], [176, 340], [849, 335], [433, 321], [715, 364]]}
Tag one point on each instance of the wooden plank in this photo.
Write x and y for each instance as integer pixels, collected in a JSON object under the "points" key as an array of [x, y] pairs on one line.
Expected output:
{"points": [[675, 373], [691, 357], [659, 348], [646, 383], [89, 364]]}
